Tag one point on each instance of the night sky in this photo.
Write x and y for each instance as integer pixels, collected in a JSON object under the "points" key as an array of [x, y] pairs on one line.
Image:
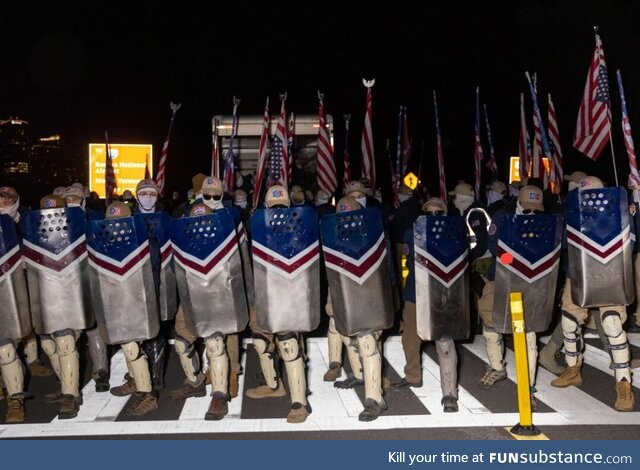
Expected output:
{"points": [[81, 68]]}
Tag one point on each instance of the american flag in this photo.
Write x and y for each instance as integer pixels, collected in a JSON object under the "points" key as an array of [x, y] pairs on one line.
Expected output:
{"points": [[491, 163], [524, 145], [326, 170], [537, 121], [443, 184], [279, 161], [537, 163], [291, 135], [634, 178], [110, 181], [554, 142], [262, 156], [165, 150], [228, 176], [346, 176], [478, 155], [366, 143], [594, 117], [406, 143]]}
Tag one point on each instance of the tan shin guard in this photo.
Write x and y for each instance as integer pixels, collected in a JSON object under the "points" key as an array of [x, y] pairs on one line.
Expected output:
{"points": [[69, 364], [49, 348], [532, 356], [267, 364], [493, 346], [296, 377], [334, 341], [138, 366], [371, 366], [189, 360], [572, 340], [11, 368], [31, 348], [354, 356], [218, 364], [612, 326]]}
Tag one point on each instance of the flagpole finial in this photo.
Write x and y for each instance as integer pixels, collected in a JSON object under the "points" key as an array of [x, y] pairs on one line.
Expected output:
{"points": [[174, 106], [283, 96], [236, 101], [368, 83], [596, 29], [320, 95]]}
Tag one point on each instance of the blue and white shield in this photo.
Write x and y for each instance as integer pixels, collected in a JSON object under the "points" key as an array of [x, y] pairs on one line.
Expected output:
{"points": [[122, 286], [442, 277], [55, 252], [209, 273], [600, 249], [15, 320], [527, 261], [161, 253], [355, 253], [286, 269]]}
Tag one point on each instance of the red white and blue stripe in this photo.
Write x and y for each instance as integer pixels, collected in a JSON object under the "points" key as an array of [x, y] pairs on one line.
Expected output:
{"points": [[357, 269]]}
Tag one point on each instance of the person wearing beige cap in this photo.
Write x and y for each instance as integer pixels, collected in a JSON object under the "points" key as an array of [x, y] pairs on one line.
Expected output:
{"points": [[412, 343], [574, 178], [297, 195], [463, 196], [611, 317]]}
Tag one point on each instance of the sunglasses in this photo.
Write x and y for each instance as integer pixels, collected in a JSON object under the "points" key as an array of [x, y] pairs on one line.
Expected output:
{"points": [[208, 197], [532, 211]]}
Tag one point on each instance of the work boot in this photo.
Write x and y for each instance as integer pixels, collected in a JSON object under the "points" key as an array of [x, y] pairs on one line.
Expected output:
{"points": [[547, 359], [298, 413], [372, 409], [15, 409], [449, 404], [69, 407], [491, 376], [264, 391], [624, 396], [145, 402], [38, 369], [188, 390], [127, 388], [349, 382], [333, 372], [570, 376], [218, 408], [233, 384], [101, 378]]}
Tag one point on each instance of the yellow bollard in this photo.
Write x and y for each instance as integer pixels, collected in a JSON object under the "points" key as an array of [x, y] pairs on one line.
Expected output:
{"points": [[525, 427]]}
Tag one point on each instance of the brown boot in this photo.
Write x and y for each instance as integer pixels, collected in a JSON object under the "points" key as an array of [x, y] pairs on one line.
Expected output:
{"points": [[624, 398], [333, 373], [233, 384], [570, 376], [188, 390], [264, 391], [298, 413], [15, 409], [127, 388], [218, 408], [69, 407], [145, 402], [38, 369]]}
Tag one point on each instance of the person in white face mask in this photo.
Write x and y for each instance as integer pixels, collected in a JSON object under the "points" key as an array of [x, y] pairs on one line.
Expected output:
{"points": [[146, 196], [356, 190], [10, 203], [495, 195], [212, 193], [463, 196], [74, 197]]}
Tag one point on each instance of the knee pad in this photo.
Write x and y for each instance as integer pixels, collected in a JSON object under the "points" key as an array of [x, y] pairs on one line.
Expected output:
{"points": [[215, 346], [65, 344], [132, 351], [48, 345], [611, 324], [572, 333], [289, 349], [262, 344], [367, 344], [7, 354], [183, 347]]}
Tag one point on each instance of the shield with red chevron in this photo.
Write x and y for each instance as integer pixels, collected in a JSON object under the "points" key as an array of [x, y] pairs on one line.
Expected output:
{"points": [[528, 260], [286, 269], [245, 254], [15, 319], [55, 252], [355, 255], [209, 273], [600, 249], [442, 278], [122, 287], [161, 254]]}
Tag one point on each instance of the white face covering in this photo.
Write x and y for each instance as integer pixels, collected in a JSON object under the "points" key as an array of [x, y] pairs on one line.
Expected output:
{"points": [[242, 204], [320, 201], [362, 201], [81, 205], [493, 196], [239, 181], [147, 204], [519, 208], [213, 204], [12, 211], [636, 195], [402, 197], [462, 202]]}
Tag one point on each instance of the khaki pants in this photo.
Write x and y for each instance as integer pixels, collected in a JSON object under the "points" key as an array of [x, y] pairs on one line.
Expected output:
{"points": [[411, 344], [581, 314]]}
